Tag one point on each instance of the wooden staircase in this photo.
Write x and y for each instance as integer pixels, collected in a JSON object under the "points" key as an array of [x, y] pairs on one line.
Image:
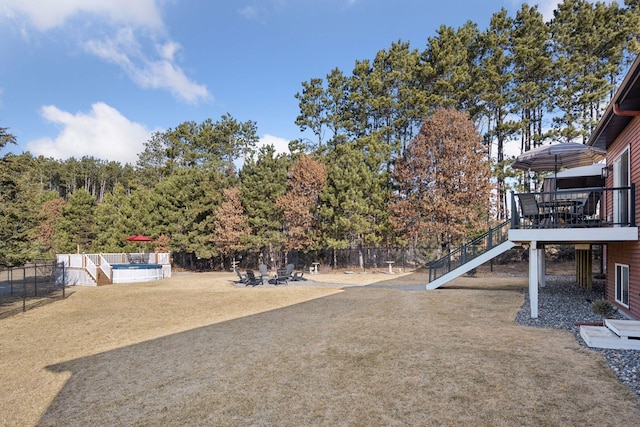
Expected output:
{"points": [[615, 334], [102, 279]]}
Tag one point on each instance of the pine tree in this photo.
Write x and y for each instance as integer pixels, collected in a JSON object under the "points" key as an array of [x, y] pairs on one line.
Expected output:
{"points": [[18, 211], [588, 43], [6, 137], [496, 93], [353, 209], [75, 230], [531, 48], [262, 181], [111, 222]]}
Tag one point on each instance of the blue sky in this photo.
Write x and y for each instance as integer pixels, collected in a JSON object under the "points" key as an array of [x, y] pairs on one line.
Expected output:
{"points": [[97, 77]]}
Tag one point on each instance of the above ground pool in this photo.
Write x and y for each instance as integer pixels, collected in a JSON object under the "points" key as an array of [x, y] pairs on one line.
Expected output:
{"points": [[135, 266], [128, 273]]}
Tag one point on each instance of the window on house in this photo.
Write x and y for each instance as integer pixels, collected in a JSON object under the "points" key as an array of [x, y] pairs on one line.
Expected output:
{"points": [[622, 284]]}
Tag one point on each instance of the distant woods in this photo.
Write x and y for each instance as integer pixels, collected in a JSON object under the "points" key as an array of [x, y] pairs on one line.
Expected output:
{"points": [[408, 147]]}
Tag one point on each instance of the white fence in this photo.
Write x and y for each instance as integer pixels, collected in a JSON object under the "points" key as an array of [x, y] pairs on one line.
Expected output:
{"points": [[84, 269]]}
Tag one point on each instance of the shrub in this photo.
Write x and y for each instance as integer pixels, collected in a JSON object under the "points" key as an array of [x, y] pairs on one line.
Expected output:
{"points": [[603, 308]]}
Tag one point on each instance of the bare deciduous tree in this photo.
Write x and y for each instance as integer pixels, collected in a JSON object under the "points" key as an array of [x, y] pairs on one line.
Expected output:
{"points": [[443, 181]]}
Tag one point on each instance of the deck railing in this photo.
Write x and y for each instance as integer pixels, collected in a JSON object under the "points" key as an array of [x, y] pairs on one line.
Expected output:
{"points": [[473, 249], [584, 207]]}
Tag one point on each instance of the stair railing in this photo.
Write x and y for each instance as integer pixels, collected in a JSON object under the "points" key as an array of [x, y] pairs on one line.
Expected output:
{"points": [[91, 268], [105, 266], [470, 250]]}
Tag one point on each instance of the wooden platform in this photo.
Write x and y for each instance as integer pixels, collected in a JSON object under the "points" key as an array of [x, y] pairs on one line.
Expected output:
{"points": [[616, 334]]}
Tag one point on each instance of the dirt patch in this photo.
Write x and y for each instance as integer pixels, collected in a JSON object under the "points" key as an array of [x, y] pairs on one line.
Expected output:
{"points": [[196, 350]]}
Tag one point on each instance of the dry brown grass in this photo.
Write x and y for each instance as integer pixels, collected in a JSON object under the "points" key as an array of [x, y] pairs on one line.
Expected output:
{"points": [[195, 350]]}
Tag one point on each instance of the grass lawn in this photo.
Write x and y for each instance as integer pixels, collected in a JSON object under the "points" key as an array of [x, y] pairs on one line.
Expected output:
{"points": [[196, 350]]}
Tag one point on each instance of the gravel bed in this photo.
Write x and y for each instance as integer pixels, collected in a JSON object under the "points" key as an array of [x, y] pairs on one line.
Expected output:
{"points": [[562, 303]]}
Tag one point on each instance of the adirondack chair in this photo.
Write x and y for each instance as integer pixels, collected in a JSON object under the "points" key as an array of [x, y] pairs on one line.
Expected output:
{"points": [[282, 276], [252, 280], [264, 272], [294, 275], [243, 277]]}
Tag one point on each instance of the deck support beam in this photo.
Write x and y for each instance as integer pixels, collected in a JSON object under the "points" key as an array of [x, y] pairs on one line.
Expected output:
{"points": [[542, 266], [534, 269]]}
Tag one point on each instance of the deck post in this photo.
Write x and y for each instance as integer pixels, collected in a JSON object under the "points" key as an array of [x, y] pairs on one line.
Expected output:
{"points": [[542, 266], [533, 278]]}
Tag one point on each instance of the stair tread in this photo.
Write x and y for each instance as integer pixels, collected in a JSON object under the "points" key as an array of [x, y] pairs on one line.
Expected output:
{"points": [[603, 337], [624, 328]]}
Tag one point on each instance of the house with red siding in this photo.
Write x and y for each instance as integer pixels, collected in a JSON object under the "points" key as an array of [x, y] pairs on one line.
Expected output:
{"points": [[601, 214], [618, 132]]}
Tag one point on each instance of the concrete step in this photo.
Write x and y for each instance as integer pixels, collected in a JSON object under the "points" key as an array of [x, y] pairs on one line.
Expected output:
{"points": [[624, 328], [603, 337]]}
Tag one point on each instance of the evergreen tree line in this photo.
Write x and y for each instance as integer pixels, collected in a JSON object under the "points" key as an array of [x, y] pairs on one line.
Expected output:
{"points": [[407, 148]]}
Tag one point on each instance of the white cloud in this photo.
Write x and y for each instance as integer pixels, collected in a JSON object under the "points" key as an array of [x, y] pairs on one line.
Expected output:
{"points": [[161, 72], [280, 144], [46, 14], [250, 12], [103, 133], [546, 7], [151, 65]]}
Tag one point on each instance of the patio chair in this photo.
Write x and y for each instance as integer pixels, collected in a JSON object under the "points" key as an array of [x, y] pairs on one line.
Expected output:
{"points": [[585, 213], [282, 276], [531, 211], [294, 275], [252, 280], [243, 277], [264, 271]]}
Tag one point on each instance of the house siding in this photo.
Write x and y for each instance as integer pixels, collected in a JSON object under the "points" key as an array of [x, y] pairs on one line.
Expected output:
{"points": [[627, 253]]}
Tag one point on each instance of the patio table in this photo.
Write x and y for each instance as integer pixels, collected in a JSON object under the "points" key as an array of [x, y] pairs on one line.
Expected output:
{"points": [[560, 207]]}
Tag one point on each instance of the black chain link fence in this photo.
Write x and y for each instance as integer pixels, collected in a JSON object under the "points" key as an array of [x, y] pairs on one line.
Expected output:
{"points": [[29, 286], [360, 259]]}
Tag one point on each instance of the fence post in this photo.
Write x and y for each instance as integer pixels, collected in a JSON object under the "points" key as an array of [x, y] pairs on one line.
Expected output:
{"points": [[35, 279], [64, 281], [24, 289]]}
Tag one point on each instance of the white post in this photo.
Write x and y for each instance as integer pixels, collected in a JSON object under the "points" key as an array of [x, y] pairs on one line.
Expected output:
{"points": [[533, 279], [542, 267]]}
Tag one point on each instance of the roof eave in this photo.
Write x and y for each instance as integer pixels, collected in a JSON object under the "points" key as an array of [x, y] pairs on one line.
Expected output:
{"points": [[628, 98]]}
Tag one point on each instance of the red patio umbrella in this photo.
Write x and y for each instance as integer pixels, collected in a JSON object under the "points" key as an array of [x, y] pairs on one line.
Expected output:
{"points": [[139, 238]]}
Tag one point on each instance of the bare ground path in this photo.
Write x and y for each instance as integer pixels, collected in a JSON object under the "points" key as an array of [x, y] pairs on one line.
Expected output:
{"points": [[196, 350]]}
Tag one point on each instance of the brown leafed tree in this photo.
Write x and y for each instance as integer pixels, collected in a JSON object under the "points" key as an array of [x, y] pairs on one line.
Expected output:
{"points": [[443, 182], [163, 244], [307, 177], [49, 214], [231, 223]]}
